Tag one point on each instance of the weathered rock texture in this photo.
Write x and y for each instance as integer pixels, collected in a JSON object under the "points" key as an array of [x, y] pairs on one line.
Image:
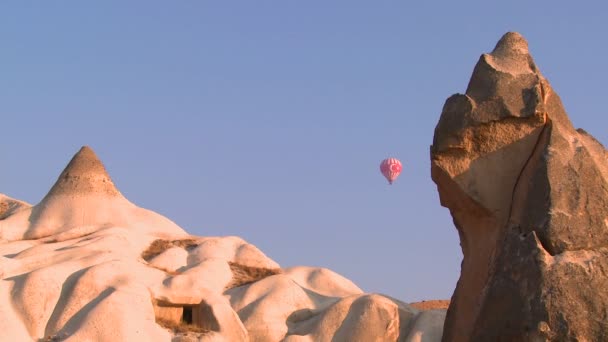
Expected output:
{"points": [[8, 206], [85, 264], [529, 196]]}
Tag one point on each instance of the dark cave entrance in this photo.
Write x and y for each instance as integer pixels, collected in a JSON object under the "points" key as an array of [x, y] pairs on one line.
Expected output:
{"points": [[176, 315], [187, 315]]}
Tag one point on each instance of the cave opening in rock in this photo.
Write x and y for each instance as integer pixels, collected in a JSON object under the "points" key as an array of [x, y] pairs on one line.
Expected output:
{"points": [[187, 315], [171, 315]]}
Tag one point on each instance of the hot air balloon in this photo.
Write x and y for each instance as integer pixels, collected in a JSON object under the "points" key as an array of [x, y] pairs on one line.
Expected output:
{"points": [[391, 168]]}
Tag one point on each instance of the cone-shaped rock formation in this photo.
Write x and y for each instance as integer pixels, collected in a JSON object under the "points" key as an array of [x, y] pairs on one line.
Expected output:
{"points": [[529, 196], [84, 174], [82, 200]]}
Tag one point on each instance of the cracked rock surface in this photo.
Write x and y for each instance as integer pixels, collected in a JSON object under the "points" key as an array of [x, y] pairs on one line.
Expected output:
{"points": [[529, 198]]}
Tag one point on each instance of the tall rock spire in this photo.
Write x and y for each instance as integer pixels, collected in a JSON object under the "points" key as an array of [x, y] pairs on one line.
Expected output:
{"points": [[529, 196]]}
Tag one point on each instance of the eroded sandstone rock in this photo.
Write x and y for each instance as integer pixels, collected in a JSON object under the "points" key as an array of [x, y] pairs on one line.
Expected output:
{"points": [[86, 264], [529, 197], [9, 206]]}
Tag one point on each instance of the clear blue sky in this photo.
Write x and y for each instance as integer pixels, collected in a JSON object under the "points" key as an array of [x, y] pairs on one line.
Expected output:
{"points": [[268, 119]]}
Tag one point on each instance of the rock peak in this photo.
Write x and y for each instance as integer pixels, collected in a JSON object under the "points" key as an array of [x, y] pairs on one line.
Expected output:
{"points": [[84, 174], [509, 57], [510, 44]]}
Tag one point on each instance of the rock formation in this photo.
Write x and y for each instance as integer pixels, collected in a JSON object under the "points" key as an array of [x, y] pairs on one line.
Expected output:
{"points": [[82, 200], [528, 194], [9, 206], [85, 264]]}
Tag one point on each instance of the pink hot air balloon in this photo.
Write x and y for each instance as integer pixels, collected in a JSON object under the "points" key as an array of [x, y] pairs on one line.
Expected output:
{"points": [[391, 168]]}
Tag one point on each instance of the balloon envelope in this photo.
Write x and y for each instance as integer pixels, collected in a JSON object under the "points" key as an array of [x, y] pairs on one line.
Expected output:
{"points": [[391, 168]]}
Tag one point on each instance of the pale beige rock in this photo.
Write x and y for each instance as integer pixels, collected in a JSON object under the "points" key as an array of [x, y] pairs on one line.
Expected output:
{"points": [[116, 315], [257, 306], [12, 324], [307, 315], [9, 206], [368, 317], [427, 327], [190, 286], [230, 248], [170, 260], [322, 281], [72, 268], [218, 316]]}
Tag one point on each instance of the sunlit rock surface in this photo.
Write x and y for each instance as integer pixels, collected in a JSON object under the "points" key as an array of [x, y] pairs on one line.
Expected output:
{"points": [[85, 264]]}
